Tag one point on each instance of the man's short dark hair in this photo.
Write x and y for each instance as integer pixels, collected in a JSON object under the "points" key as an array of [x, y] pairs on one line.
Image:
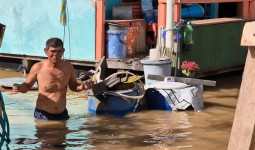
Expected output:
{"points": [[54, 42]]}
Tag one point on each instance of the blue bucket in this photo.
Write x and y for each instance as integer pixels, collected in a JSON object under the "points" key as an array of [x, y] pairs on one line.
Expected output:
{"points": [[117, 44], [114, 105], [148, 16]]}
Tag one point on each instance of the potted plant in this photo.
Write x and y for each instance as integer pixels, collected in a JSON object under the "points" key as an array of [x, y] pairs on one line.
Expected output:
{"points": [[189, 68]]}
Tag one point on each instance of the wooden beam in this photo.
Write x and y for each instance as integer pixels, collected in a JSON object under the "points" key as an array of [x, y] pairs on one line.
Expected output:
{"points": [[204, 1], [248, 35], [246, 6], [240, 6], [208, 1], [100, 29], [177, 12], [252, 10], [183, 80], [242, 133], [126, 63], [161, 15], [241, 137]]}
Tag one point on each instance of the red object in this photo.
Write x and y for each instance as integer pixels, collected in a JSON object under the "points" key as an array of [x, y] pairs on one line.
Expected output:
{"points": [[190, 66]]}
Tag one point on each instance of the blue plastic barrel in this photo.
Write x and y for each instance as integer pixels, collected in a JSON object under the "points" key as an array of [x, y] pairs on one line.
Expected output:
{"points": [[113, 105], [156, 101], [117, 44], [193, 11]]}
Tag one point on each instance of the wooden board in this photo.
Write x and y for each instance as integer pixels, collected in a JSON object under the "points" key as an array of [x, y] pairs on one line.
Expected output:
{"points": [[127, 63], [101, 68], [242, 137], [248, 36], [183, 80]]}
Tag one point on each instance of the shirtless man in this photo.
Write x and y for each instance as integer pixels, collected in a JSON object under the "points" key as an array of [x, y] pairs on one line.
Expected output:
{"points": [[53, 76]]}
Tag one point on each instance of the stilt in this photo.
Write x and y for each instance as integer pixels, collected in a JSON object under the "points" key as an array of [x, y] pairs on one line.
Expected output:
{"points": [[27, 64], [242, 133]]}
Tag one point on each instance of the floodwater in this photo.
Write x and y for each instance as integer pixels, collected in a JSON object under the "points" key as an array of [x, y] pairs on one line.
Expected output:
{"points": [[146, 130]]}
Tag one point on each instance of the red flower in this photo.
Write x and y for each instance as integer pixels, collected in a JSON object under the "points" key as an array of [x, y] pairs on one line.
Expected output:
{"points": [[191, 66]]}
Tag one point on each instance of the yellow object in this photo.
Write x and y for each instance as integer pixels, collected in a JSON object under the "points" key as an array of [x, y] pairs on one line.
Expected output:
{"points": [[133, 79], [63, 12], [187, 73]]}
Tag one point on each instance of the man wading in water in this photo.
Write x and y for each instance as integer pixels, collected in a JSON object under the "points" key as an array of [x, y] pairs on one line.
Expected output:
{"points": [[54, 76]]}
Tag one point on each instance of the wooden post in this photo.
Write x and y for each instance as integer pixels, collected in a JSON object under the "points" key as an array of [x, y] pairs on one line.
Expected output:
{"points": [[100, 29], [242, 133], [170, 24], [177, 12], [161, 14], [251, 10]]}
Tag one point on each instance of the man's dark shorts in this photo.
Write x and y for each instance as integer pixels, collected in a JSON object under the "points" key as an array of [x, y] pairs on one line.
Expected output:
{"points": [[43, 115]]}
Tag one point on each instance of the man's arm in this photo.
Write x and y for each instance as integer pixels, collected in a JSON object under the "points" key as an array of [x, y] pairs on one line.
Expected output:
{"points": [[75, 86], [31, 79]]}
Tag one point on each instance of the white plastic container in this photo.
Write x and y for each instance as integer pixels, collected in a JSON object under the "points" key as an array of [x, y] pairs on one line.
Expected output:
{"points": [[156, 67], [154, 53]]}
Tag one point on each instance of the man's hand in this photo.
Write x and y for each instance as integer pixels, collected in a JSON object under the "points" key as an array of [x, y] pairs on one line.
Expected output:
{"points": [[88, 84], [16, 88]]}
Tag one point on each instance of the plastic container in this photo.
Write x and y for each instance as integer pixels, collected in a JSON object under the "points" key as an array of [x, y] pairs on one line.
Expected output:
{"points": [[174, 96], [117, 43], [156, 67], [156, 101], [136, 41], [146, 5], [114, 105], [148, 16], [115, 26], [193, 11], [161, 97]]}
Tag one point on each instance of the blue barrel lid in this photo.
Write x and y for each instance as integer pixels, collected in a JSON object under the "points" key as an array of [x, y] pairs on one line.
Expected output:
{"points": [[117, 32], [115, 26], [156, 61]]}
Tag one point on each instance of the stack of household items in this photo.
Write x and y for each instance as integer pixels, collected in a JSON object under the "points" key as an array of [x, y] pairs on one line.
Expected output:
{"points": [[116, 94]]}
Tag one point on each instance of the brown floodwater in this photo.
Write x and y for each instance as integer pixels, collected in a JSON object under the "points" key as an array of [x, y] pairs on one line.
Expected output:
{"points": [[145, 130]]}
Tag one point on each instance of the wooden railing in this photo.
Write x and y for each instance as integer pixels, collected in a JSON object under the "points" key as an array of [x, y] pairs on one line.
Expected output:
{"points": [[204, 1], [246, 11]]}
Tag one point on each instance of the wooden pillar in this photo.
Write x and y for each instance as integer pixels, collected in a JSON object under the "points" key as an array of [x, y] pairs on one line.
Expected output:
{"points": [[177, 12], [252, 10], [162, 14], [242, 133], [246, 9], [100, 29]]}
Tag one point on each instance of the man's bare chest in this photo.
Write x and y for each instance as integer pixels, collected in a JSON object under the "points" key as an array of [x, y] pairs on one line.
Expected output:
{"points": [[53, 80]]}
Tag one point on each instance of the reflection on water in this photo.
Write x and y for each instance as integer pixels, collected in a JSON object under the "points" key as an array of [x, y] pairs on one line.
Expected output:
{"points": [[46, 132], [147, 130]]}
